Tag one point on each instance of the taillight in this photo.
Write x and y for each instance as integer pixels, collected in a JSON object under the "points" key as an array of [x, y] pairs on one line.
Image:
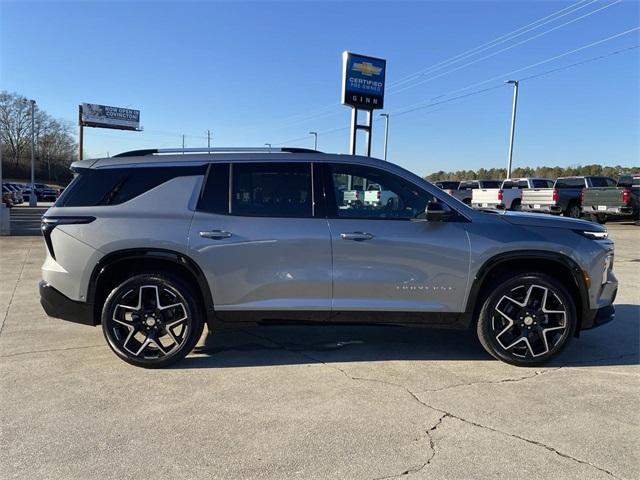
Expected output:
{"points": [[378, 195], [450, 192], [554, 197], [500, 196], [626, 195]]}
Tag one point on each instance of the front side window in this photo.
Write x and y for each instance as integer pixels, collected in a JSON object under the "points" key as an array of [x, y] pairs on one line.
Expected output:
{"points": [[365, 192], [271, 190]]}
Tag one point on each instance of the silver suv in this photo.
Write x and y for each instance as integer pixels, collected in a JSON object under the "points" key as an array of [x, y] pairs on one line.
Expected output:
{"points": [[154, 244]]}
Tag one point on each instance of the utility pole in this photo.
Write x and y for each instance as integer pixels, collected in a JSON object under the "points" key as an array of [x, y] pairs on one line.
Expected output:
{"points": [[315, 140], [80, 133], [386, 133], [513, 124], [183, 143], [33, 201], [208, 141]]}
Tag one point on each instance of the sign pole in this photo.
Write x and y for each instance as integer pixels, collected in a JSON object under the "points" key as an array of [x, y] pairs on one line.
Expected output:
{"points": [[80, 133], [354, 131], [369, 131]]}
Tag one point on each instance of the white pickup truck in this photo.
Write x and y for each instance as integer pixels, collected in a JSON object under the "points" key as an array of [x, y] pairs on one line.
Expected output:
{"points": [[509, 195], [376, 195]]}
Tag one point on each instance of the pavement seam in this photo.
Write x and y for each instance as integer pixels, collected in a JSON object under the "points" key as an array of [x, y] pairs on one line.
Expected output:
{"points": [[50, 350], [15, 288], [444, 412]]}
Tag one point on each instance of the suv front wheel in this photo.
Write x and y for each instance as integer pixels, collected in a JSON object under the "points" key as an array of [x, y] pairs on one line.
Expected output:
{"points": [[152, 320], [527, 320]]}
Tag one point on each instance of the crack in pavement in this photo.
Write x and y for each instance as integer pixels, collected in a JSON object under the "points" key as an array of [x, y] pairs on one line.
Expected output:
{"points": [[15, 288], [491, 382], [444, 413]]}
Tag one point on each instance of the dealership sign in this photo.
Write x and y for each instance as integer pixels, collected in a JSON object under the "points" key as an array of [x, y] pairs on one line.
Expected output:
{"points": [[103, 116], [363, 81]]}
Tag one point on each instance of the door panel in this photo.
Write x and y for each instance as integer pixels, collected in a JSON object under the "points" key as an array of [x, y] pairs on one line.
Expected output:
{"points": [[404, 266], [260, 248], [386, 256]]}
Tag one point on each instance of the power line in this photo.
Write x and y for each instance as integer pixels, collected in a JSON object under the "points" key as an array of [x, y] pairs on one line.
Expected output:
{"points": [[330, 109], [459, 67], [497, 41], [411, 108]]}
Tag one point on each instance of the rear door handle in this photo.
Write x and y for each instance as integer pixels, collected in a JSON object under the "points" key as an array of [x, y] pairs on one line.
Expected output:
{"points": [[215, 234], [357, 236]]}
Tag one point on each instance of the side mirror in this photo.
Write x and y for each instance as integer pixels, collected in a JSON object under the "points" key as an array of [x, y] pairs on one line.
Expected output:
{"points": [[438, 212]]}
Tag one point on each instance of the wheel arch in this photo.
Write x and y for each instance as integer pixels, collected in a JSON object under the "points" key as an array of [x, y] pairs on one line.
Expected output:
{"points": [[556, 264], [116, 266]]}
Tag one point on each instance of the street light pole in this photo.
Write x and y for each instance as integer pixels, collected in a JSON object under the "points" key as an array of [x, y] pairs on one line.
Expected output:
{"points": [[33, 201], [208, 141], [386, 133], [315, 140], [513, 124], [4, 211]]}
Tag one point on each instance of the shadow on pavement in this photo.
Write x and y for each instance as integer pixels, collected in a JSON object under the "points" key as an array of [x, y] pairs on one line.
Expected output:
{"points": [[617, 343]]}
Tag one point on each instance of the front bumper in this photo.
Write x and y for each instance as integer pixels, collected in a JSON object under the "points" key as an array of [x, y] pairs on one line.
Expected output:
{"points": [[57, 305], [605, 312]]}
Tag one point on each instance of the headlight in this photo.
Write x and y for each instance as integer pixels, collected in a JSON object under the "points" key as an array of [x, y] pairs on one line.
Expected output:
{"points": [[593, 235]]}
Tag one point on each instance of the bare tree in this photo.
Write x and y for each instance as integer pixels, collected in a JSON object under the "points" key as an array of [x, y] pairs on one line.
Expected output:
{"points": [[15, 124]]}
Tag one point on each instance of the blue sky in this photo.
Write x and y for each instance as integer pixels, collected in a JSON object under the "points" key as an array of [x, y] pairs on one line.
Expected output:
{"points": [[256, 72]]}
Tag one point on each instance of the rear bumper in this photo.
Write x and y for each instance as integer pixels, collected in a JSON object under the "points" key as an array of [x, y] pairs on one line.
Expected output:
{"points": [[499, 206], [57, 305], [622, 211], [554, 209]]}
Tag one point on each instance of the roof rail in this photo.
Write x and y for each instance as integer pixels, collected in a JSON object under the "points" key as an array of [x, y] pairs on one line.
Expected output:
{"points": [[158, 151]]}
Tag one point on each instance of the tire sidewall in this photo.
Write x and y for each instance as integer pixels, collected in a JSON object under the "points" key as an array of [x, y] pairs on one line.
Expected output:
{"points": [[484, 330], [193, 311]]}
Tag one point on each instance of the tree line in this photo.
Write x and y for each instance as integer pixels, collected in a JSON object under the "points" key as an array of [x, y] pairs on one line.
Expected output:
{"points": [[55, 145], [541, 172]]}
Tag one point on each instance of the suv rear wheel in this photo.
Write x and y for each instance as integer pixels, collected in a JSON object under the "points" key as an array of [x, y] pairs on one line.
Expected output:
{"points": [[152, 320], [527, 320]]}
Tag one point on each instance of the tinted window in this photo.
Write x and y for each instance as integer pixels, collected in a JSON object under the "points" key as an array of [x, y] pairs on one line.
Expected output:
{"points": [[570, 183], [394, 199], [215, 192], [491, 184], [271, 189], [542, 183], [113, 186], [515, 184], [468, 186], [602, 182], [448, 185]]}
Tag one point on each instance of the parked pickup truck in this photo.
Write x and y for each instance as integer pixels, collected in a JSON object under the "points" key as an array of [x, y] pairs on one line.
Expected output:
{"points": [[466, 188], [564, 198], [376, 195], [621, 200], [509, 195]]}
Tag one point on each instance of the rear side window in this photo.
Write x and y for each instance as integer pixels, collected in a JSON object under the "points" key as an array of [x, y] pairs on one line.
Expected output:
{"points": [[490, 184], [570, 183], [468, 186], [448, 185], [114, 186], [271, 189]]}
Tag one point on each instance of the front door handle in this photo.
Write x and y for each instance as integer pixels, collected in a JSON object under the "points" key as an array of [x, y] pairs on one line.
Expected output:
{"points": [[215, 234], [357, 236]]}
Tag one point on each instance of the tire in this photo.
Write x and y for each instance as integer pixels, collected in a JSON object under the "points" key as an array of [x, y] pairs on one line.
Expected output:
{"points": [[518, 326], [152, 320], [573, 211], [516, 205], [467, 201]]}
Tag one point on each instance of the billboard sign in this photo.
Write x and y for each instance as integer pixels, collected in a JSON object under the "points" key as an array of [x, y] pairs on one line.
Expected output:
{"points": [[363, 81], [103, 116]]}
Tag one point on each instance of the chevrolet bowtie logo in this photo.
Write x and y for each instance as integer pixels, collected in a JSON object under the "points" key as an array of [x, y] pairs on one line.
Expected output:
{"points": [[366, 69]]}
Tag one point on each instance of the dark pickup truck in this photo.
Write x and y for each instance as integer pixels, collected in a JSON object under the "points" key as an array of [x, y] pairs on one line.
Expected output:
{"points": [[622, 200], [564, 198]]}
